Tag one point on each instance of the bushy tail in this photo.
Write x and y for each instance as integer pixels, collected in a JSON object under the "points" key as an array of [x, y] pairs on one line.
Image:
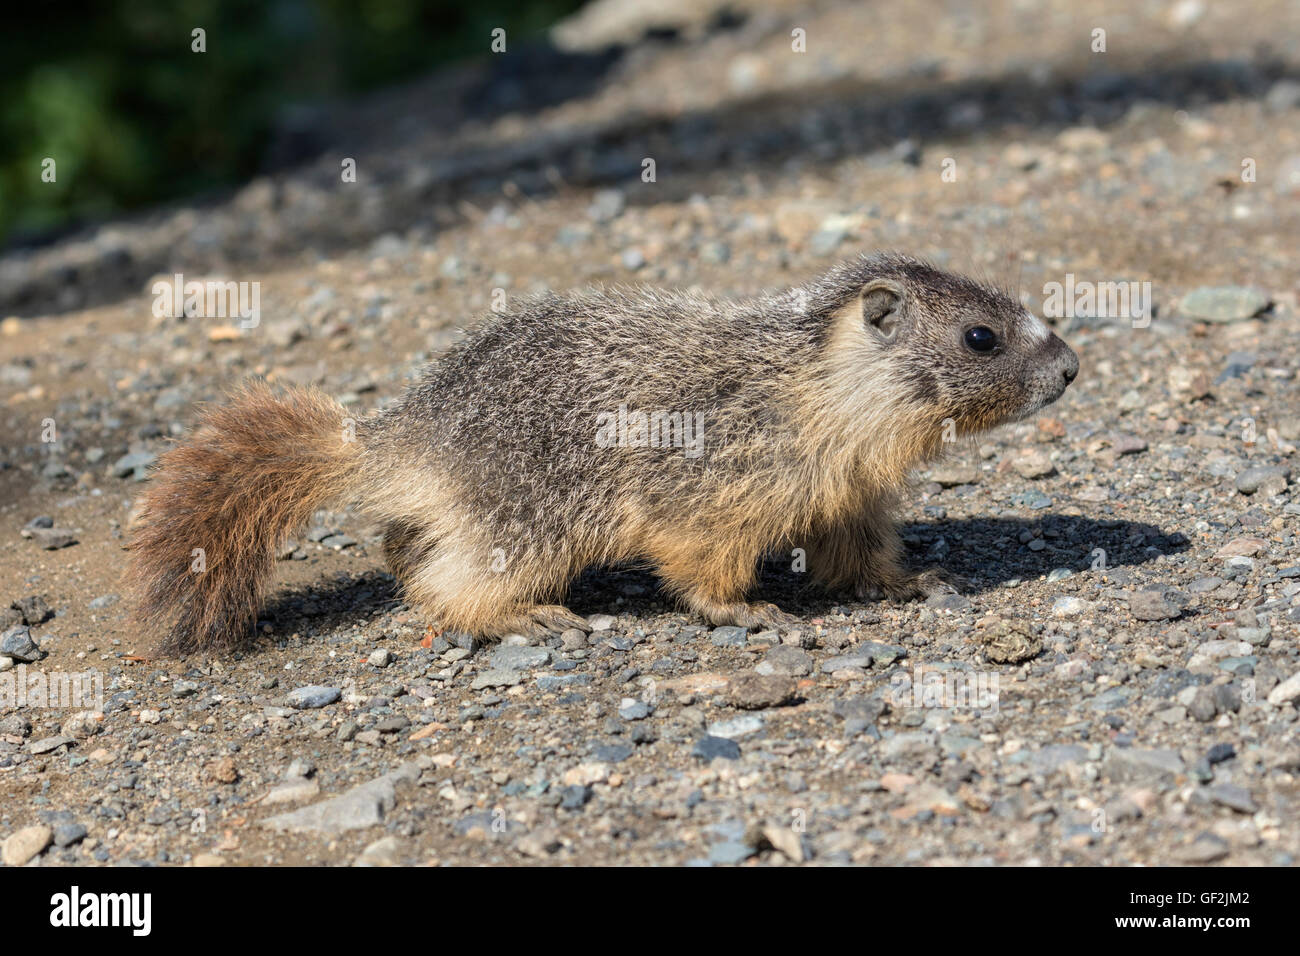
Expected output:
{"points": [[224, 501]]}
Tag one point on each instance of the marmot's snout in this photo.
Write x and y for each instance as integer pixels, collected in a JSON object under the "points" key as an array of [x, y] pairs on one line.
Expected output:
{"points": [[1054, 369], [1063, 362]]}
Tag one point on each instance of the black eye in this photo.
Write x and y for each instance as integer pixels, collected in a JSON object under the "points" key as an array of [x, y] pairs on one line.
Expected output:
{"points": [[981, 339]]}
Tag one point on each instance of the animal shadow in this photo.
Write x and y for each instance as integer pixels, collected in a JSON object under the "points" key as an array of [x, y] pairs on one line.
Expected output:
{"points": [[983, 552]]}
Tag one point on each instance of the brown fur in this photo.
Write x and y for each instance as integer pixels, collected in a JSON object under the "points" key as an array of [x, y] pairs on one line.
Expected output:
{"points": [[253, 471], [497, 491]]}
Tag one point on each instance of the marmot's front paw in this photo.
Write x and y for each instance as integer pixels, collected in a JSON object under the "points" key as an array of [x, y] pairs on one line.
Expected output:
{"points": [[911, 587]]}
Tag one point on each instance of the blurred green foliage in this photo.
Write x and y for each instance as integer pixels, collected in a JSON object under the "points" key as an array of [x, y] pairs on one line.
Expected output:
{"points": [[114, 94]]}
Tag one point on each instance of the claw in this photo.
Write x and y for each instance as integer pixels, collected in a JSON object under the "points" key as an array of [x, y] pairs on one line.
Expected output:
{"points": [[556, 617], [759, 615], [916, 587]]}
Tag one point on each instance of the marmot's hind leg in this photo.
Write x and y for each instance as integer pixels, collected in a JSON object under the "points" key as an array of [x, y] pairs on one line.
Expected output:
{"points": [[713, 583], [462, 589], [536, 620]]}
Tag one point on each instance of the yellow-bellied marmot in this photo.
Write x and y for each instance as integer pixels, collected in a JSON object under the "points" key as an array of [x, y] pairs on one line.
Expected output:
{"points": [[681, 431]]}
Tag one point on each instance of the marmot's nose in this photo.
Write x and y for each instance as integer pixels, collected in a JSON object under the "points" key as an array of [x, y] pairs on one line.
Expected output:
{"points": [[1069, 362]]}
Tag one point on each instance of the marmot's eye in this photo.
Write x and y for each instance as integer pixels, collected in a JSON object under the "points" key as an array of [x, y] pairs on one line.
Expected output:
{"points": [[981, 339]]}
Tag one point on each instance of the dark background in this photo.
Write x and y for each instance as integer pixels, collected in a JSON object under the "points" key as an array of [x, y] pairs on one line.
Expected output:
{"points": [[113, 91]]}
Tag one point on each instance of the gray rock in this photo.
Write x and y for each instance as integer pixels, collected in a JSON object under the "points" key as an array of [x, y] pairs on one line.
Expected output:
{"points": [[393, 724], [1067, 605], [729, 636], [1219, 753], [1130, 764], [947, 602], [52, 539], [1033, 464], [908, 743], [1109, 700], [313, 697], [1271, 479], [1122, 443], [716, 252], [730, 852], [575, 797], [66, 834], [606, 205], [519, 657], [1236, 366], [1282, 96], [1254, 636], [18, 643], [826, 241], [1201, 704], [612, 753], [299, 768], [559, 682], [49, 744], [737, 726], [362, 806], [496, 677], [16, 725], [1055, 756], [951, 475], [136, 463], [1205, 848], [864, 655], [882, 653], [1287, 692], [846, 662], [1230, 303], [34, 610], [1155, 605], [1232, 796], [957, 743], [786, 660], [752, 691], [632, 709], [711, 748]]}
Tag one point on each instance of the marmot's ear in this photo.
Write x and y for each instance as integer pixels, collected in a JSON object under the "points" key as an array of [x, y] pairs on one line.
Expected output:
{"points": [[880, 301]]}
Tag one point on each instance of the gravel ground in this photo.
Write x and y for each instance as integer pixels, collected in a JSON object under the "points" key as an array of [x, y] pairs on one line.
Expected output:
{"points": [[1119, 681]]}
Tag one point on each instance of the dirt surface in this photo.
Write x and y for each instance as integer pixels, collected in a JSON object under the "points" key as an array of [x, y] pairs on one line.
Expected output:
{"points": [[1117, 684]]}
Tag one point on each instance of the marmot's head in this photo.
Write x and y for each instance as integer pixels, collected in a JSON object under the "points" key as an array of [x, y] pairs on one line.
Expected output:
{"points": [[945, 346]]}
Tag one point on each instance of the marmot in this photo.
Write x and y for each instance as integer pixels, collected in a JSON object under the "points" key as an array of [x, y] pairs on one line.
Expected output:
{"points": [[691, 434]]}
